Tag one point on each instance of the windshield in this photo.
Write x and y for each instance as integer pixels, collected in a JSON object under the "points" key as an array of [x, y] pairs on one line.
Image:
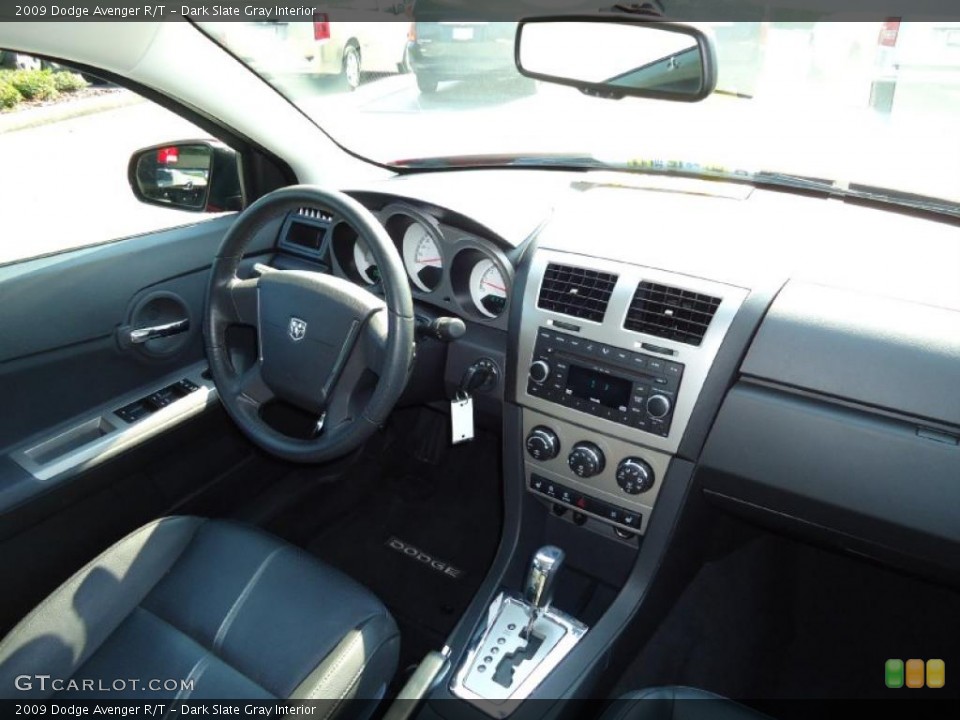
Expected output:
{"points": [[868, 103]]}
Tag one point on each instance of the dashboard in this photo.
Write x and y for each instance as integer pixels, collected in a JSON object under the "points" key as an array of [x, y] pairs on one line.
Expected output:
{"points": [[808, 369], [449, 268]]}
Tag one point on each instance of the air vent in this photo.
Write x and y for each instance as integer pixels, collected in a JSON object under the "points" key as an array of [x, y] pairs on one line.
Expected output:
{"points": [[671, 313], [576, 292]]}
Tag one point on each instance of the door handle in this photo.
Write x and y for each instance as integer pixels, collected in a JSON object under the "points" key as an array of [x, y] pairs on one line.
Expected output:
{"points": [[142, 335]]}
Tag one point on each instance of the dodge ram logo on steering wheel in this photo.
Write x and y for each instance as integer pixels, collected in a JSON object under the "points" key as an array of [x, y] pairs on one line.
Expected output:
{"points": [[297, 329]]}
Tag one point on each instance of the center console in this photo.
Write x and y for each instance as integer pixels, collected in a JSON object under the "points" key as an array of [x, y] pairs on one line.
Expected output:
{"points": [[611, 359], [616, 357]]}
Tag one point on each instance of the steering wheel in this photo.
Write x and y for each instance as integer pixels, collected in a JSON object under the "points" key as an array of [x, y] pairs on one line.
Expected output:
{"points": [[326, 345]]}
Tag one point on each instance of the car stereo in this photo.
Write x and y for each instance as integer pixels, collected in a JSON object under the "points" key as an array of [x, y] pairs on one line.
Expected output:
{"points": [[626, 387]]}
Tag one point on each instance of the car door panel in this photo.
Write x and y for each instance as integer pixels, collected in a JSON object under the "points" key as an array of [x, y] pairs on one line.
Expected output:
{"points": [[62, 365]]}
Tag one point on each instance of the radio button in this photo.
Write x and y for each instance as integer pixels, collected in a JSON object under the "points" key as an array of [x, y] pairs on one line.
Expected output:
{"points": [[655, 365], [658, 406], [539, 371], [674, 370]]}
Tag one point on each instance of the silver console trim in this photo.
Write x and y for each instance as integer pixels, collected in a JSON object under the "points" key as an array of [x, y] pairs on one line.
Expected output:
{"points": [[117, 435], [504, 704], [604, 486], [697, 360]]}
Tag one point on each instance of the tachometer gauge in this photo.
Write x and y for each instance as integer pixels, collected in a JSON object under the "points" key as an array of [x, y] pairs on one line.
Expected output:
{"points": [[421, 256], [488, 289], [365, 262]]}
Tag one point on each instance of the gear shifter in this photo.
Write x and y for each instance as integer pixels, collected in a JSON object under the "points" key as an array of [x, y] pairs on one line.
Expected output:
{"points": [[541, 580], [525, 638]]}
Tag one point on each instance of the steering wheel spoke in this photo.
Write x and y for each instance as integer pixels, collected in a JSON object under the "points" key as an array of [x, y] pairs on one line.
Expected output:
{"points": [[244, 302], [253, 390]]}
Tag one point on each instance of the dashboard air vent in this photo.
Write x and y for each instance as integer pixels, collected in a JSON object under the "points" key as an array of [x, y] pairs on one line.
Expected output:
{"points": [[671, 313], [576, 292]]}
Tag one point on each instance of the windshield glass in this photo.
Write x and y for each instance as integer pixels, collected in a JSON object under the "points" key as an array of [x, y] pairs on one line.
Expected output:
{"points": [[867, 103]]}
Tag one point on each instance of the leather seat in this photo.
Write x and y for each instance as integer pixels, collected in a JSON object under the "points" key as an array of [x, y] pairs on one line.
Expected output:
{"points": [[242, 614], [677, 703]]}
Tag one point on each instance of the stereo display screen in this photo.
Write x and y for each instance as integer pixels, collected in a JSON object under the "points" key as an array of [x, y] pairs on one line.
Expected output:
{"points": [[596, 387]]}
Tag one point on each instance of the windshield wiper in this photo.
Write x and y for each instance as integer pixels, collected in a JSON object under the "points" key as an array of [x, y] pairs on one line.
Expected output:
{"points": [[572, 162], [857, 191], [797, 182]]}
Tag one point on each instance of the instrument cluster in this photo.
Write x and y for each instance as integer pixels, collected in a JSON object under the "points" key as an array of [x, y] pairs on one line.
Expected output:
{"points": [[446, 266]]}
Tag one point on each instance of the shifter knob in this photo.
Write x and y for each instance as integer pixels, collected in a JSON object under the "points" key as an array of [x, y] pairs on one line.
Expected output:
{"points": [[542, 576]]}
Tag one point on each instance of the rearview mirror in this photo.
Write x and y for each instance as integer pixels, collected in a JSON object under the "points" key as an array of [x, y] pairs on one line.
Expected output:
{"points": [[195, 175], [618, 57]]}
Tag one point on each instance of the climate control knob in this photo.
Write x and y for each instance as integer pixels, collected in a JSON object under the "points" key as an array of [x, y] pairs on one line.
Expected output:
{"points": [[586, 460], [635, 476], [540, 371], [658, 406], [543, 443]]}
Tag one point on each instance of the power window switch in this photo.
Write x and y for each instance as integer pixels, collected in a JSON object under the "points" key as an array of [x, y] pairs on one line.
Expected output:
{"points": [[188, 386], [133, 412]]}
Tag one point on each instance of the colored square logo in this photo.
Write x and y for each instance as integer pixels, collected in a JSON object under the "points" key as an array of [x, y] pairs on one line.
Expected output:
{"points": [[936, 673], [915, 673], [893, 673]]}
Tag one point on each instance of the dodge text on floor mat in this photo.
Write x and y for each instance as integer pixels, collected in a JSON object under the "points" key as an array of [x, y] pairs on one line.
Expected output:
{"points": [[415, 553]]}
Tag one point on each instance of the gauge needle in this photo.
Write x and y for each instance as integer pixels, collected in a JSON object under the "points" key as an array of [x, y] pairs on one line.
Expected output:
{"points": [[428, 261], [495, 287]]}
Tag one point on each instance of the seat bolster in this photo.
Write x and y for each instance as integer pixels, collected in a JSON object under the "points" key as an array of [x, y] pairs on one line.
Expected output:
{"points": [[61, 633], [356, 667], [678, 703]]}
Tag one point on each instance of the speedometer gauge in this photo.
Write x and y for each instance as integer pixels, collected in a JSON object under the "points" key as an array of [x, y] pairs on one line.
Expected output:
{"points": [[488, 289], [365, 262], [422, 258]]}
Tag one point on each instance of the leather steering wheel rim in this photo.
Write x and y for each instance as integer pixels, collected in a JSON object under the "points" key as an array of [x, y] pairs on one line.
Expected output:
{"points": [[232, 301]]}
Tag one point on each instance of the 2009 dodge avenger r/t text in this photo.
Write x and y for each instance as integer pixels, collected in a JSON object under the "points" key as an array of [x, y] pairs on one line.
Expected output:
{"points": [[538, 360]]}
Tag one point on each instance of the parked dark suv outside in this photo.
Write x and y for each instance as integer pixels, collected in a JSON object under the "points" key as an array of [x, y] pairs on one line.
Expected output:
{"points": [[439, 51]]}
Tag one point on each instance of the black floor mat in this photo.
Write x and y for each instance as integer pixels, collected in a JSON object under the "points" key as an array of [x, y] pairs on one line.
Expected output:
{"points": [[779, 619], [448, 507]]}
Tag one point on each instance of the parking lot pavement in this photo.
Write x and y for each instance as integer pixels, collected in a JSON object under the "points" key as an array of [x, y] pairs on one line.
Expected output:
{"points": [[65, 184]]}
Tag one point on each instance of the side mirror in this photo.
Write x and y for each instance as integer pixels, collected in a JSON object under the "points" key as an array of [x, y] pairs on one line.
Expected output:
{"points": [[193, 175], [616, 57]]}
